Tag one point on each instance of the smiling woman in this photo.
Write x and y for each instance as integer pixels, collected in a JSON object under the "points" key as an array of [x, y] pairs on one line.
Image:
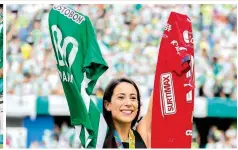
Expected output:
{"points": [[121, 110]]}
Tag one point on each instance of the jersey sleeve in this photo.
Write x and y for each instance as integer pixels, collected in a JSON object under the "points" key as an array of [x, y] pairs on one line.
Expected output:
{"points": [[184, 66], [94, 64]]}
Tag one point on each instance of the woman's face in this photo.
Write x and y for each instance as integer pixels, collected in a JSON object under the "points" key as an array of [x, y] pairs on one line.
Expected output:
{"points": [[124, 103]]}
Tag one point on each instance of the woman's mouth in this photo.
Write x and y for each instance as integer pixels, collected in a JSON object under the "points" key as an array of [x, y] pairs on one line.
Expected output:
{"points": [[127, 112]]}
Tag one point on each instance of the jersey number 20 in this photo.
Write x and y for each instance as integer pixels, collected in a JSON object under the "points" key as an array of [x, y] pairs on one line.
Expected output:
{"points": [[61, 50]]}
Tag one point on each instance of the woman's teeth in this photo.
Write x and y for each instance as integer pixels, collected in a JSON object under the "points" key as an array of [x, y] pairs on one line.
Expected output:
{"points": [[126, 112]]}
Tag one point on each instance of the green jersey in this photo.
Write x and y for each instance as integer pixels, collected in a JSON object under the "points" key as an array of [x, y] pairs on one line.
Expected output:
{"points": [[80, 64]]}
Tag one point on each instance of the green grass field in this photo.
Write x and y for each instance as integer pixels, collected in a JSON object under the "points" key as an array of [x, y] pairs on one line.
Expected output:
{"points": [[1, 145]]}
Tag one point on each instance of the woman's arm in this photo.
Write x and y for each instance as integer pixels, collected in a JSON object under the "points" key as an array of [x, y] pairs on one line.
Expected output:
{"points": [[144, 127]]}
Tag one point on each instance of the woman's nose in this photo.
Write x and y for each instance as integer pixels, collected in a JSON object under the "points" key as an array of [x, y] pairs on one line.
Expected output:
{"points": [[128, 102]]}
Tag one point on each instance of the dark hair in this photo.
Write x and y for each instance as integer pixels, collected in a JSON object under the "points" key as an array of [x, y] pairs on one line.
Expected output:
{"points": [[109, 142]]}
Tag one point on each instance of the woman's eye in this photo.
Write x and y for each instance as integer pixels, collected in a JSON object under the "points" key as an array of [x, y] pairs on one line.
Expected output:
{"points": [[120, 97], [133, 98]]}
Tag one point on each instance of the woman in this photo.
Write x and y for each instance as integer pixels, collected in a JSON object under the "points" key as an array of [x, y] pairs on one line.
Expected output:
{"points": [[121, 110]]}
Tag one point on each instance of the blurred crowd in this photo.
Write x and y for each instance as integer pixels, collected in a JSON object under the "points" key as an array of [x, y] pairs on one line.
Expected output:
{"points": [[129, 37], [222, 139], [62, 136], [217, 138]]}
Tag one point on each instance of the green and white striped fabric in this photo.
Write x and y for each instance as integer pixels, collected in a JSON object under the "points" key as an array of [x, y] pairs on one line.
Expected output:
{"points": [[97, 121]]}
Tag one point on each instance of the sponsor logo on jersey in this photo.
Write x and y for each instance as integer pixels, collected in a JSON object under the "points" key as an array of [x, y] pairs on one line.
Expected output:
{"points": [[167, 94], [190, 81], [187, 36], [189, 133], [177, 47], [69, 13]]}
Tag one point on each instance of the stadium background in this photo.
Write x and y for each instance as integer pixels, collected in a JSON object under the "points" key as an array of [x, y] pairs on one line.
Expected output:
{"points": [[129, 37]]}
